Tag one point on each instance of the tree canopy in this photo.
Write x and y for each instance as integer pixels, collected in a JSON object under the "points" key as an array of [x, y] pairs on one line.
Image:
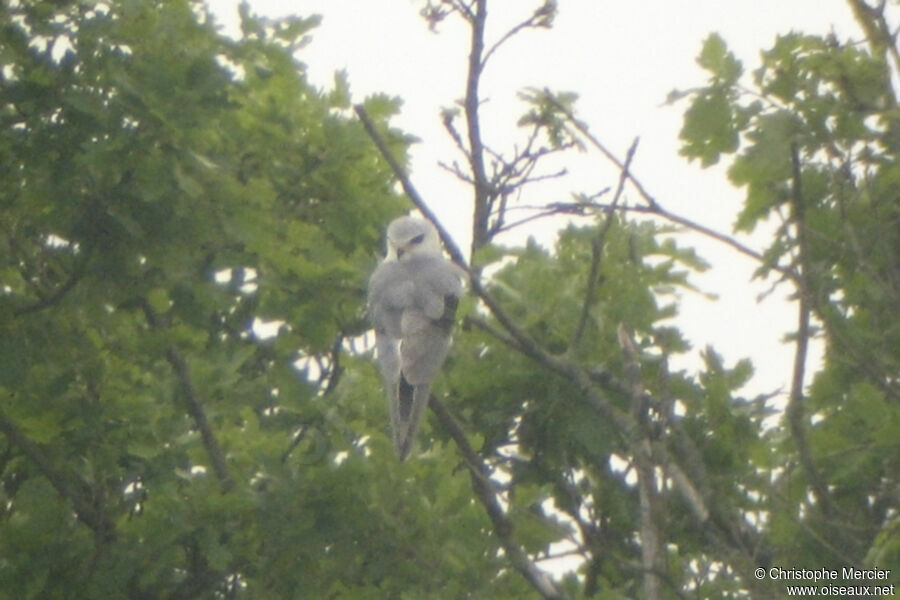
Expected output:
{"points": [[165, 189]]}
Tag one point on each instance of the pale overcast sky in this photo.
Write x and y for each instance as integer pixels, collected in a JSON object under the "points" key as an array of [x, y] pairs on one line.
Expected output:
{"points": [[622, 58]]}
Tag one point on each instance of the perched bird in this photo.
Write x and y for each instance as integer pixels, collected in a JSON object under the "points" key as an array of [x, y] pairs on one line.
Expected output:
{"points": [[413, 295]]}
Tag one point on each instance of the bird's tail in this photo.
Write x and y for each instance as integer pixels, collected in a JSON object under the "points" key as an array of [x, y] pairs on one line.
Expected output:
{"points": [[407, 414]]}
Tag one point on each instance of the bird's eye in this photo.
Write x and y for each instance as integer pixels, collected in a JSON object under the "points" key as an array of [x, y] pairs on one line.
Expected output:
{"points": [[418, 239]]}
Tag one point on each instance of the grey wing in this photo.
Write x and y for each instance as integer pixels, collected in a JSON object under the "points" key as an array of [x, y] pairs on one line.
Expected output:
{"points": [[436, 279], [423, 348], [390, 292], [387, 351], [422, 351], [424, 345]]}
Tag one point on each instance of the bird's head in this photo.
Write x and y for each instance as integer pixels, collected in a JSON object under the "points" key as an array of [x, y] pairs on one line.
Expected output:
{"points": [[408, 237]]}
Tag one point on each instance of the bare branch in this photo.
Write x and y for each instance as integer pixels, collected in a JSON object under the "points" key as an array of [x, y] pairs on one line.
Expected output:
{"points": [[583, 130], [484, 491], [447, 116], [335, 369], [787, 271], [523, 343], [298, 437], [794, 410], [689, 492], [193, 403], [435, 13], [198, 413], [59, 293], [456, 171], [54, 297], [464, 8], [541, 215], [86, 509], [653, 206], [476, 146], [510, 176], [539, 18], [597, 247]]}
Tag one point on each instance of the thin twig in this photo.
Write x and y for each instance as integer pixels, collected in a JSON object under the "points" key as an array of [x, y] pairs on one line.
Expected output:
{"points": [[653, 205], [64, 288], [689, 493], [531, 21], [521, 342], [298, 437], [335, 369], [524, 220], [456, 171], [583, 130], [597, 247], [447, 119], [787, 271]]}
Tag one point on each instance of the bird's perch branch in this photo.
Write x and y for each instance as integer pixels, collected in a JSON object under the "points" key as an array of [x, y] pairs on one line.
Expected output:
{"points": [[411, 192], [484, 490]]}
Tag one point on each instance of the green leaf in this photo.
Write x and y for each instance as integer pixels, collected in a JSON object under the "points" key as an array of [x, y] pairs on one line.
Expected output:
{"points": [[709, 129], [159, 301], [716, 58], [339, 97], [489, 254]]}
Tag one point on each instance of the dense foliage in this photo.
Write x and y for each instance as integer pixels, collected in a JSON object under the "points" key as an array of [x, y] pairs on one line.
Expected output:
{"points": [[817, 144], [164, 188]]}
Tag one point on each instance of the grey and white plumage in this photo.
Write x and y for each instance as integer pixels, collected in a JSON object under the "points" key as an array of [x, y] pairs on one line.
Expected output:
{"points": [[413, 295]]}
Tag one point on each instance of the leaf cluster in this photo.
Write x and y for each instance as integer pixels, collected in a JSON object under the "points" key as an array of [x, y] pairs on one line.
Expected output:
{"points": [[165, 189], [814, 144]]}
